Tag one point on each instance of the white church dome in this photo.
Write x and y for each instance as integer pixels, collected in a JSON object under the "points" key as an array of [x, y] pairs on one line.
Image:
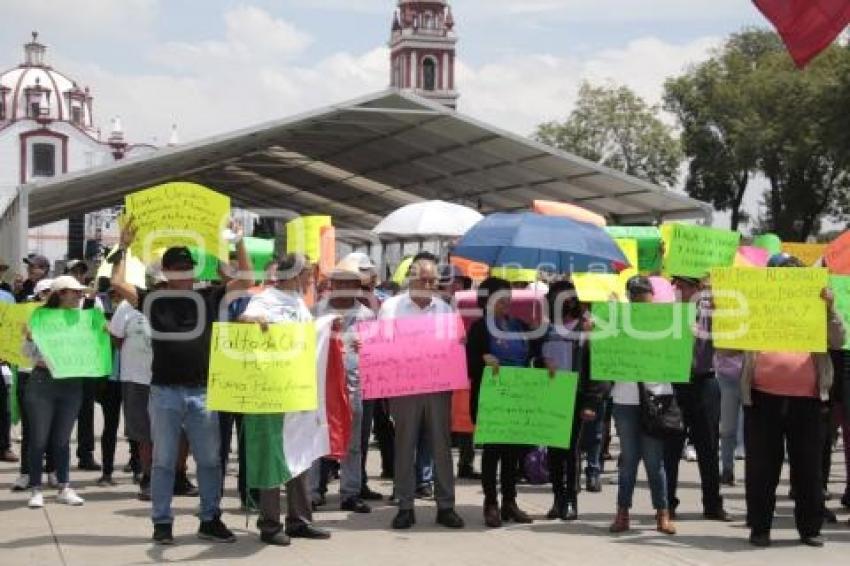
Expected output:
{"points": [[34, 90]]}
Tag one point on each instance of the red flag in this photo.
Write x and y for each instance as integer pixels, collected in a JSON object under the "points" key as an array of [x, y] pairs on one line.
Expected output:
{"points": [[807, 26], [337, 403]]}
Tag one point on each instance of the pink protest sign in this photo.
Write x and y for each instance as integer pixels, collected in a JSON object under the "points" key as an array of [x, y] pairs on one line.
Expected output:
{"points": [[411, 356]]}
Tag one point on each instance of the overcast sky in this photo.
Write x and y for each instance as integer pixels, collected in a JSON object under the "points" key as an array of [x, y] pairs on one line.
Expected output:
{"points": [[214, 65]]}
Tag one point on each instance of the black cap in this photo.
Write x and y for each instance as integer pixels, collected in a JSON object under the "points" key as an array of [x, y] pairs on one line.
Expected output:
{"points": [[692, 281], [176, 257], [36, 260], [638, 285]]}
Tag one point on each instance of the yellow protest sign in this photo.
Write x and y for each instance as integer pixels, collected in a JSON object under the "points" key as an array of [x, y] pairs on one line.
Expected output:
{"points": [[809, 254], [13, 321], [304, 235], [514, 274], [258, 372], [178, 214], [769, 310], [602, 287]]}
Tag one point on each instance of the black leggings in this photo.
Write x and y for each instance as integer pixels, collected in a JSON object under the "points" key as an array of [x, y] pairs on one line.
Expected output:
{"points": [[108, 395], [491, 456]]}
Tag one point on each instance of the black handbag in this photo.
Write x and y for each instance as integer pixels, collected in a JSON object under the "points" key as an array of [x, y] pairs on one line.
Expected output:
{"points": [[660, 415]]}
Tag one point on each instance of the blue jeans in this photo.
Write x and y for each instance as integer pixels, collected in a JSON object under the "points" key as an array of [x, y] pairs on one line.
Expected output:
{"points": [[52, 408], [731, 421], [635, 446], [351, 467], [172, 410]]}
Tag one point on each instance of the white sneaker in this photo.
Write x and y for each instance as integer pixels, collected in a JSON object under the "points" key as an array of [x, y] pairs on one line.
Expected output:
{"points": [[36, 500], [69, 497], [22, 483], [690, 453], [52, 480]]}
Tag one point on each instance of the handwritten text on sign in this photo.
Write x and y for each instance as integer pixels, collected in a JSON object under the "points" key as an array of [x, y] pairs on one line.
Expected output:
{"points": [[258, 372], [691, 251], [642, 342], [410, 356], [74, 342], [526, 406], [13, 321], [769, 310], [178, 214]]}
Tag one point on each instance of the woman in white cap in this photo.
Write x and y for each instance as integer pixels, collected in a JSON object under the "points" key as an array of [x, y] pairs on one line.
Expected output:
{"points": [[52, 405]]}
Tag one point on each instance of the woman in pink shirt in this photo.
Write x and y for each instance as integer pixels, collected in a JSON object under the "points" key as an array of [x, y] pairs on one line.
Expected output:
{"points": [[784, 396]]}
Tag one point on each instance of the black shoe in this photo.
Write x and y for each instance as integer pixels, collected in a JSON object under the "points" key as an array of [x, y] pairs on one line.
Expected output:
{"points": [[448, 518], [424, 492], [184, 487], [308, 531], [367, 494], [106, 481], [215, 531], [89, 465], [162, 533], [760, 540], [321, 501], [719, 514], [276, 539], [829, 516], [467, 473], [355, 505], [569, 511], [594, 484], [815, 541], [404, 519], [845, 499], [727, 478], [555, 510]]}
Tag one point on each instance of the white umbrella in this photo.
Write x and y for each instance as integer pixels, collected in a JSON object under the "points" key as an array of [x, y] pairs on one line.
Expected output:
{"points": [[433, 218]]}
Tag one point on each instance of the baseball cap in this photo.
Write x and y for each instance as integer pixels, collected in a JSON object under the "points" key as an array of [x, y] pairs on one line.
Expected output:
{"points": [[360, 260], [42, 286], [177, 257], [638, 285], [75, 265], [66, 283], [36, 260]]}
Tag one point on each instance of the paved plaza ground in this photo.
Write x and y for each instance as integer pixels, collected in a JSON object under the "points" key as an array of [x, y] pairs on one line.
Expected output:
{"points": [[114, 528]]}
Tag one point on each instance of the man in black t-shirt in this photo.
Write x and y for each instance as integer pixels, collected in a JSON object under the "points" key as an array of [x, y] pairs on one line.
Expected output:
{"points": [[181, 320]]}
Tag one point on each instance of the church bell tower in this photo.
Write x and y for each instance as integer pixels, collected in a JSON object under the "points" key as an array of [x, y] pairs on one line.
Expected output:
{"points": [[422, 48]]}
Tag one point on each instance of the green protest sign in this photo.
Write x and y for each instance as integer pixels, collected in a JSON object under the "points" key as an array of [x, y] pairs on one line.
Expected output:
{"points": [[840, 285], [73, 342], [526, 406], [642, 342], [692, 251], [648, 239]]}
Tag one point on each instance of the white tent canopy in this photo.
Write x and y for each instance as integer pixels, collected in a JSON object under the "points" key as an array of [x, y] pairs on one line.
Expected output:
{"points": [[358, 161]]}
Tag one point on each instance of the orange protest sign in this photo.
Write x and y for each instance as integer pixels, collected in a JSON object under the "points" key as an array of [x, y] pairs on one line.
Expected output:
{"points": [[838, 255], [809, 254]]}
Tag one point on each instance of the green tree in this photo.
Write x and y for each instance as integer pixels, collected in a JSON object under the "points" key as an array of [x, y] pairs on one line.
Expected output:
{"points": [[714, 102], [748, 110], [613, 126]]}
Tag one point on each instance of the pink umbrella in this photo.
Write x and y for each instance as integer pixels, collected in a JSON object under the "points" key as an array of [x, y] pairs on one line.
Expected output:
{"points": [[662, 290]]}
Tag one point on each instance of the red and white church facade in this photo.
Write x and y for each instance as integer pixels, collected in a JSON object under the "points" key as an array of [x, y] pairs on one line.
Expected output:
{"points": [[47, 128]]}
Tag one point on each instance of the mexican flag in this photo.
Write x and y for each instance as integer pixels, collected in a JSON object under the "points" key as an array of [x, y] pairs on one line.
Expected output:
{"points": [[282, 447]]}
